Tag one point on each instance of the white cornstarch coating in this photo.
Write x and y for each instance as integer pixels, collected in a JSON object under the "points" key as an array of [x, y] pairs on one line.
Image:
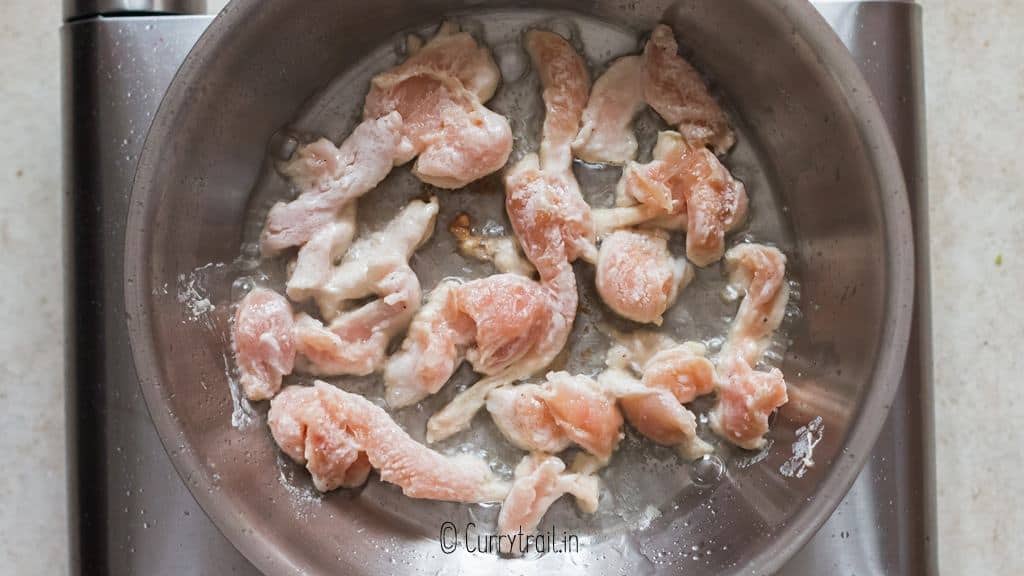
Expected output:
{"points": [[349, 300]]}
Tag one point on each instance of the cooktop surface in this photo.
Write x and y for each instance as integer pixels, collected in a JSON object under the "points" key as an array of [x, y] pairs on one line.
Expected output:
{"points": [[131, 513]]}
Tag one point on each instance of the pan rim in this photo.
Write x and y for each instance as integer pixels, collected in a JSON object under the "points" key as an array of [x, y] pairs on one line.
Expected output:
{"points": [[861, 436]]}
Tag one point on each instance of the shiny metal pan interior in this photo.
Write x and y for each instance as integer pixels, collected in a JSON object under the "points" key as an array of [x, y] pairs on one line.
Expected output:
{"points": [[825, 186]]}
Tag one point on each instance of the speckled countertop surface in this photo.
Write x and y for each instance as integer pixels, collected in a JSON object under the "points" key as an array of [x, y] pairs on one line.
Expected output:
{"points": [[975, 85]]}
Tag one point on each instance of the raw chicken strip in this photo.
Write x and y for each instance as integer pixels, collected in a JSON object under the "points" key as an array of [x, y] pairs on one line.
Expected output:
{"points": [[457, 138], [678, 94], [302, 430], [503, 251], [433, 348], [715, 205], [606, 135], [683, 370], [549, 216], [760, 272], [633, 350], [525, 348], [565, 409], [551, 220], [686, 180], [494, 322], [262, 336], [637, 277], [672, 375], [317, 257], [630, 214], [511, 315], [328, 178], [329, 429], [543, 199], [566, 82], [585, 411], [456, 54], [539, 343], [746, 397], [523, 417], [577, 409], [658, 416], [458, 413], [356, 341], [367, 265], [655, 413], [540, 480]]}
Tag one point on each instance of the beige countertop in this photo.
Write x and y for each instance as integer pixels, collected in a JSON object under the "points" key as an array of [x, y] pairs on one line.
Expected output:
{"points": [[975, 85]]}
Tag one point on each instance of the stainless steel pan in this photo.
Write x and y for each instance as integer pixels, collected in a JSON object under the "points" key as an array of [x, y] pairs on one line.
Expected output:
{"points": [[814, 151]]}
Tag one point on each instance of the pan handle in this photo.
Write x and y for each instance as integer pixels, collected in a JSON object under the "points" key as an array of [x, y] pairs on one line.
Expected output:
{"points": [[76, 9]]}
